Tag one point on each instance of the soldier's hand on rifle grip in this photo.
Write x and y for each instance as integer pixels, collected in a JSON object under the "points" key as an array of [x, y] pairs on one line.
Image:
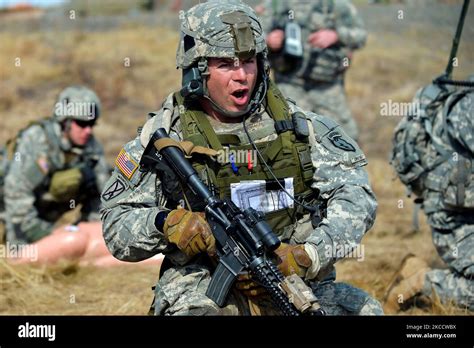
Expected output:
{"points": [[293, 259], [248, 286], [190, 232]]}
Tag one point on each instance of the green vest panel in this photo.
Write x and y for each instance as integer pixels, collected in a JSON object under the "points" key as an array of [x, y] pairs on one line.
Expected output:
{"points": [[287, 156]]}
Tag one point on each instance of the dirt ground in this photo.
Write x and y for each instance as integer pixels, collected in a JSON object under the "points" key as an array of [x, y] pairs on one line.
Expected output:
{"points": [[401, 55]]}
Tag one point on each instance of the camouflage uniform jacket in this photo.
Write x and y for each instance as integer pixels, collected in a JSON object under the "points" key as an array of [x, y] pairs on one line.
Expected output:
{"points": [[313, 15], [133, 198], [40, 152]]}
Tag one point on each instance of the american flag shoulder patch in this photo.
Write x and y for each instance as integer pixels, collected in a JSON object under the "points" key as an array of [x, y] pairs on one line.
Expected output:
{"points": [[43, 165], [126, 164]]}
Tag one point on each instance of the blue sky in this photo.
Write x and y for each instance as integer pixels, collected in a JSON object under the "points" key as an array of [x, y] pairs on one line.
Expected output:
{"points": [[40, 3]]}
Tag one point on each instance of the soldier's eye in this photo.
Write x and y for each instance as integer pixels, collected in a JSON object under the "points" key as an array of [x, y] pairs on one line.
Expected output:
{"points": [[225, 64]]}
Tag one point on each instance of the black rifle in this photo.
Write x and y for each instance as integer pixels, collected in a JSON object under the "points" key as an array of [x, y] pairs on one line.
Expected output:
{"points": [[445, 78], [244, 240]]}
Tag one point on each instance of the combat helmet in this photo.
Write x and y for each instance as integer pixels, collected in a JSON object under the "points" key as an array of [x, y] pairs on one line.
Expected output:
{"points": [[77, 103], [220, 29]]}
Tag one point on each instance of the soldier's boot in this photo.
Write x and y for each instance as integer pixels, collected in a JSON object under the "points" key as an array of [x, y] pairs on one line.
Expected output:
{"points": [[406, 284]]}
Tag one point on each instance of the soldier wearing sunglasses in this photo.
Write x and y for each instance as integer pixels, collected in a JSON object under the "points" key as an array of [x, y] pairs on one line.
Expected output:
{"points": [[51, 167]]}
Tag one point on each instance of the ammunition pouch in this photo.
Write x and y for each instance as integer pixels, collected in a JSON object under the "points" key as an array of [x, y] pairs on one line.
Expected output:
{"points": [[65, 184], [326, 65]]}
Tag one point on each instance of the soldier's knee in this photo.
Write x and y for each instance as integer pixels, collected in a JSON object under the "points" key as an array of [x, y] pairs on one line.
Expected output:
{"points": [[73, 244], [201, 307], [191, 303], [182, 291]]}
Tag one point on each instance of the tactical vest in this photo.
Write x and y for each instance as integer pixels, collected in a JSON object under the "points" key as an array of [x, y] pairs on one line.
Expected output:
{"points": [[288, 156], [318, 65]]}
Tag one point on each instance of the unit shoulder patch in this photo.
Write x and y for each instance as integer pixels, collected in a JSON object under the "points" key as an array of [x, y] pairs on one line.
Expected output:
{"points": [[114, 190], [338, 141]]}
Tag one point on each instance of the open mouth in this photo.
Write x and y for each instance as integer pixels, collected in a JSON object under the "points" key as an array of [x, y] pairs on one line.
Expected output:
{"points": [[240, 96]]}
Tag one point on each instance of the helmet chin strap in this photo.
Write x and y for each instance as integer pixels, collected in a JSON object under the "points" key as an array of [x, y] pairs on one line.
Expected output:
{"points": [[66, 125]]}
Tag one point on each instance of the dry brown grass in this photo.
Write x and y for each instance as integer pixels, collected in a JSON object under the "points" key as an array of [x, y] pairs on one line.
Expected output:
{"points": [[390, 67], [52, 61], [67, 288]]}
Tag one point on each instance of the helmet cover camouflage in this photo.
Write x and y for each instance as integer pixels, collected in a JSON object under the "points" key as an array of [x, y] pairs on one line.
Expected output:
{"points": [[219, 29], [77, 103]]}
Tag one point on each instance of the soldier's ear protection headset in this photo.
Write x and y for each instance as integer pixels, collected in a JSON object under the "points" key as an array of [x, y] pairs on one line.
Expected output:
{"points": [[192, 82]]}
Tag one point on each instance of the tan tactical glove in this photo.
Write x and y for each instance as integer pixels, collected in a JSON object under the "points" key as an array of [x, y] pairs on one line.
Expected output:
{"points": [[190, 232], [293, 259], [65, 184], [248, 286]]}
